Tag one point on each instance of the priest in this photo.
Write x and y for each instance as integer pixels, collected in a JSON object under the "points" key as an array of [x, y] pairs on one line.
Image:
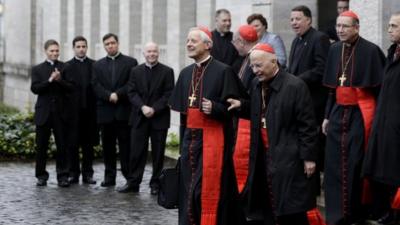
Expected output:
{"points": [[281, 181], [206, 187], [353, 76]]}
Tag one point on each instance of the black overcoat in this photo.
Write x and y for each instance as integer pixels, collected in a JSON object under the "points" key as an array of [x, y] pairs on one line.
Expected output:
{"points": [[382, 159], [292, 134]]}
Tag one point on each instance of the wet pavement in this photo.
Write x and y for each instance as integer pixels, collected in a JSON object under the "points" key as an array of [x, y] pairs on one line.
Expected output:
{"points": [[22, 202]]}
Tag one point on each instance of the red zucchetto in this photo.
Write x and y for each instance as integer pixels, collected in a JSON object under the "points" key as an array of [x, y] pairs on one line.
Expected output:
{"points": [[206, 31], [264, 47], [349, 13], [248, 33]]}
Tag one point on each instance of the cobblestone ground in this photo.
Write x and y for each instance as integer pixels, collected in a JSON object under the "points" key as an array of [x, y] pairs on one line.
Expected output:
{"points": [[22, 202]]}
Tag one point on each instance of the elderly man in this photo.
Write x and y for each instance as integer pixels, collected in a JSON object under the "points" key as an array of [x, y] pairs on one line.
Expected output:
{"points": [[283, 138], [353, 76], [149, 87], [382, 160], [207, 187]]}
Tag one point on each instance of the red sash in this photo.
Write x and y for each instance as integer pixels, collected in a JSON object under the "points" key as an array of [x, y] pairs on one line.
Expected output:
{"points": [[315, 217], [242, 153], [367, 103], [396, 200], [213, 153]]}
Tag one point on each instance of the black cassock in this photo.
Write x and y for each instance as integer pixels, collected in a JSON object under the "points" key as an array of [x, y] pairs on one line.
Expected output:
{"points": [[277, 185], [345, 141], [217, 84], [382, 160]]}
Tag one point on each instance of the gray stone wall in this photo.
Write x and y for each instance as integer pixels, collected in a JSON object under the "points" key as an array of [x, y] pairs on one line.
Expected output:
{"points": [[28, 23]]}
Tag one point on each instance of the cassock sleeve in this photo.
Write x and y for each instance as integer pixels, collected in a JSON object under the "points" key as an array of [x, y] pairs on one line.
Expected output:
{"points": [[307, 128], [168, 86], [330, 102], [178, 99], [232, 88], [123, 90], [100, 91], [64, 82], [133, 94], [38, 86]]}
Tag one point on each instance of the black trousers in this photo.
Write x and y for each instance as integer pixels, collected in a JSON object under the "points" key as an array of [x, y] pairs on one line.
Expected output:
{"points": [[110, 134], [53, 124], [83, 134], [138, 157]]}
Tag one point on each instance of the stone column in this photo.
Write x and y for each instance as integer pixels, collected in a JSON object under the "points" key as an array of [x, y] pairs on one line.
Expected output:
{"points": [[124, 24], [173, 49], [370, 13]]}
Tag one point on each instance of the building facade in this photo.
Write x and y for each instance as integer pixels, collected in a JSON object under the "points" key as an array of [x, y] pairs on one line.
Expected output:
{"points": [[26, 24]]}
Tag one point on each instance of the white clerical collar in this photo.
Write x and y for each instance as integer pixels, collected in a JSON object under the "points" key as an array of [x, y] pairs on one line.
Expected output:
{"points": [[50, 61], [114, 56], [204, 60], [150, 65], [80, 59]]}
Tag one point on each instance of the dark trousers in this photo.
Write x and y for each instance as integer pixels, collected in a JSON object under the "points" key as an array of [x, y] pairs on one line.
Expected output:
{"points": [[297, 218], [83, 134], [140, 146], [110, 134], [43, 132]]}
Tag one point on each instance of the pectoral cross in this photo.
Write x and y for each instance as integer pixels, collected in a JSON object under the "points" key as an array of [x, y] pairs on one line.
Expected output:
{"points": [[192, 98], [342, 79], [264, 122]]}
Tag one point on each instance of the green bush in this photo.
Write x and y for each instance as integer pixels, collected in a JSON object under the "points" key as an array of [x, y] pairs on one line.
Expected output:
{"points": [[172, 141], [17, 137]]}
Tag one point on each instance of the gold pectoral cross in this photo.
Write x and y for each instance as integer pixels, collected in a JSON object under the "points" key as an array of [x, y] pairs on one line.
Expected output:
{"points": [[192, 98], [342, 79], [264, 122]]}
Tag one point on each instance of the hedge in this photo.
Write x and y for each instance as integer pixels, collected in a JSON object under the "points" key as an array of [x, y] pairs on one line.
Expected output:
{"points": [[17, 136]]}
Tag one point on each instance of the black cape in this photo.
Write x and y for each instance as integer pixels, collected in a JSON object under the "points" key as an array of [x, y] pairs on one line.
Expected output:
{"points": [[345, 150], [382, 160], [292, 132], [219, 83]]}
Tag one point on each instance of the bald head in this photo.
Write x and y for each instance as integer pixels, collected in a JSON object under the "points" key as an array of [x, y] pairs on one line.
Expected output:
{"points": [[151, 53], [264, 64]]}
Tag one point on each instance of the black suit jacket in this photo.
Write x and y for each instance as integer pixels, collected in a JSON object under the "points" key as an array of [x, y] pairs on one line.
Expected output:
{"points": [[309, 65], [103, 87], [51, 95], [155, 95]]}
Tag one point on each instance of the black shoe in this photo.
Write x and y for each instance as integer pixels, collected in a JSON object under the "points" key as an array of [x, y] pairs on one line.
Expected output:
{"points": [[41, 182], [73, 180], [154, 190], [107, 183], [63, 183], [88, 180], [128, 188], [388, 218]]}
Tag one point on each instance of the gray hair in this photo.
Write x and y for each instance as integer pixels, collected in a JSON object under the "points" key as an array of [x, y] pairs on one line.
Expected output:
{"points": [[204, 37]]}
